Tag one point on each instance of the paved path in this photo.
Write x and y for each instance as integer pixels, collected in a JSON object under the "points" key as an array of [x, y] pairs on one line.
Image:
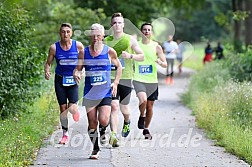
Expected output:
{"points": [[176, 141]]}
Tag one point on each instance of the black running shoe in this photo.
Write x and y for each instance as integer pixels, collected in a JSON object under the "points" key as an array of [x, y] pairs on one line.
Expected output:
{"points": [[147, 134], [140, 123]]}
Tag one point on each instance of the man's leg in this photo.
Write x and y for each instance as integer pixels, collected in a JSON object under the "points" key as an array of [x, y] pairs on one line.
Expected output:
{"points": [[61, 94], [92, 131], [72, 95], [168, 77], [149, 114], [114, 119], [64, 123], [125, 95], [73, 109], [126, 123], [104, 117], [152, 93], [142, 97], [125, 109], [172, 64]]}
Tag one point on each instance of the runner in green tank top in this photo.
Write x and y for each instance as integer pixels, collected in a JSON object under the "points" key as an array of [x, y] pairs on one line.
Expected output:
{"points": [[145, 79], [128, 51]]}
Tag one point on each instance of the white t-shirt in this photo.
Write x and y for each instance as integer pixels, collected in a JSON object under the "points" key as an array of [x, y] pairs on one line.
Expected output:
{"points": [[170, 48]]}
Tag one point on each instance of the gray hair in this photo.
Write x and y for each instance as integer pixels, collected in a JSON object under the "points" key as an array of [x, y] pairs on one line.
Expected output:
{"points": [[97, 26]]}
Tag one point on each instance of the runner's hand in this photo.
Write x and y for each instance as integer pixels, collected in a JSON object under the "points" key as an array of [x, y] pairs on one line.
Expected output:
{"points": [[47, 75], [114, 89], [159, 61], [77, 76], [125, 55]]}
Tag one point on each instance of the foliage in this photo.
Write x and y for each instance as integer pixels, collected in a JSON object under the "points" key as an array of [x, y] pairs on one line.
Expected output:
{"points": [[20, 62], [222, 107], [205, 81], [136, 11], [199, 23], [240, 65], [53, 13], [22, 136], [240, 15], [195, 60]]}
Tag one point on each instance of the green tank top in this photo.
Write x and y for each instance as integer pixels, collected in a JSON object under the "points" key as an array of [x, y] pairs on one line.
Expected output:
{"points": [[121, 44], [146, 70]]}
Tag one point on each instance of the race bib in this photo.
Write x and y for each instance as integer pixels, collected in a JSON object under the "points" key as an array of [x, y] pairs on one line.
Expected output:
{"points": [[98, 79], [145, 69], [68, 81], [113, 67]]}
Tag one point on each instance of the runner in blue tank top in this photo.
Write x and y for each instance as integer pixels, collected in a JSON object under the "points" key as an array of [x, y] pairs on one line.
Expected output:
{"points": [[98, 70], [65, 52], [98, 90]]}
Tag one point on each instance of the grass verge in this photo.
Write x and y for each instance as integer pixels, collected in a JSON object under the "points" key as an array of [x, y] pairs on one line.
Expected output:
{"points": [[223, 107], [22, 136], [195, 60]]}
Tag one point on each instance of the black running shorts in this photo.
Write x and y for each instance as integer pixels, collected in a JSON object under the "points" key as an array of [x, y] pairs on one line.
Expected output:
{"points": [[64, 93]]}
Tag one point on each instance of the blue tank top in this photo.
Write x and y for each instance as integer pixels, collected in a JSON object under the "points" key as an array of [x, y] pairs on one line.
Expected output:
{"points": [[97, 75], [66, 60]]}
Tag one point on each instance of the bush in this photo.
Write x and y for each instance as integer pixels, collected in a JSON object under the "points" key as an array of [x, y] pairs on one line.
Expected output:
{"points": [[240, 65], [22, 136], [222, 106], [205, 80], [20, 62]]}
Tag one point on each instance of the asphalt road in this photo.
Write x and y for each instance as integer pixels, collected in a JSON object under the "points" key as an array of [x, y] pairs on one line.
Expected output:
{"points": [[176, 142]]}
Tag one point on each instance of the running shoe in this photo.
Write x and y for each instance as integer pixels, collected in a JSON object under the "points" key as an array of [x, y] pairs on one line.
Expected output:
{"points": [[95, 154], [168, 80], [126, 129], [113, 140], [64, 140], [147, 134], [171, 81], [76, 116], [140, 122]]}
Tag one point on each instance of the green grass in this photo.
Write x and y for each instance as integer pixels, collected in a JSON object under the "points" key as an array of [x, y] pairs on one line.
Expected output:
{"points": [[195, 61], [22, 136], [223, 107]]}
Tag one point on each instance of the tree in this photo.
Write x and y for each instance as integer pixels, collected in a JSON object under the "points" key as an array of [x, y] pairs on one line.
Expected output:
{"points": [[199, 24], [240, 11], [52, 14], [20, 63], [248, 23], [136, 11]]}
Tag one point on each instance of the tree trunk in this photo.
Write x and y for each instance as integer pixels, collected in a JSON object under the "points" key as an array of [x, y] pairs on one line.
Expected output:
{"points": [[237, 5], [248, 23]]}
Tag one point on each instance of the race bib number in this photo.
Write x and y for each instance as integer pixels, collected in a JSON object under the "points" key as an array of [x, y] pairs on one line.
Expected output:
{"points": [[98, 79], [68, 81], [145, 69], [113, 67]]}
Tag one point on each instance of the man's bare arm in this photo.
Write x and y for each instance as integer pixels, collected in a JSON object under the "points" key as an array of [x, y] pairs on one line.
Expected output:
{"points": [[116, 62], [139, 54], [49, 61], [161, 57]]}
